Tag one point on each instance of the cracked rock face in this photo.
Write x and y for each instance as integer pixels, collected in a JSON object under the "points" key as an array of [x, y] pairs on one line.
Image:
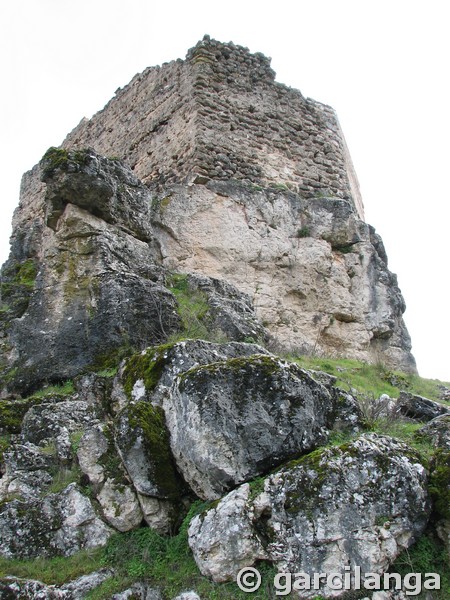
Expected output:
{"points": [[58, 524], [232, 420], [358, 504]]}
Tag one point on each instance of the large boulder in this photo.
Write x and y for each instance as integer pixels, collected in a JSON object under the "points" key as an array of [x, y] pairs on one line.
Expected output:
{"points": [[359, 504], [234, 419]]}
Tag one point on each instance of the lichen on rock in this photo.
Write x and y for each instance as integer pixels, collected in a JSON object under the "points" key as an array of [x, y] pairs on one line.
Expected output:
{"points": [[360, 504]]}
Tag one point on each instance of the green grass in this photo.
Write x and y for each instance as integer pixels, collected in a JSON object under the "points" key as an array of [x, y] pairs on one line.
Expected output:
{"points": [[62, 478], [194, 311], [427, 555], [192, 308], [63, 389], [57, 570], [168, 563], [374, 379]]}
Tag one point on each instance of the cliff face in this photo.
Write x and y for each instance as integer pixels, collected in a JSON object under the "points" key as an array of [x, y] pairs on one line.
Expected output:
{"points": [[207, 219], [233, 176]]}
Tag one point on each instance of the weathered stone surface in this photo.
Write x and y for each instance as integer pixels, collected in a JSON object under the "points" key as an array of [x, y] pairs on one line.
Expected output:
{"points": [[26, 589], [120, 506], [231, 312], [438, 431], [26, 471], [45, 422], [358, 504], [159, 514], [232, 420], [92, 447], [220, 115], [149, 375], [143, 441], [58, 524], [138, 591], [419, 408], [334, 293]]}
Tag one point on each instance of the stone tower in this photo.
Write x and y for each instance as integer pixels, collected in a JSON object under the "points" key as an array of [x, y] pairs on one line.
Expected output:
{"points": [[205, 167], [220, 114]]}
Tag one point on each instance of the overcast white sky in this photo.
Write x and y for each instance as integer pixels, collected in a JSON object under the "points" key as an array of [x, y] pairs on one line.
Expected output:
{"points": [[383, 65]]}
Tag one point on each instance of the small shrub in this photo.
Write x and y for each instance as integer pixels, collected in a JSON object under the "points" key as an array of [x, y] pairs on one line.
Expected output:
{"points": [[303, 232]]}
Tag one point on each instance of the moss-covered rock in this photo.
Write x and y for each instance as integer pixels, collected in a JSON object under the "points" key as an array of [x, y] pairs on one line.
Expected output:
{"points": [[358, 504], [13, 411], [57, 525], [146, 367], [143, 440]]}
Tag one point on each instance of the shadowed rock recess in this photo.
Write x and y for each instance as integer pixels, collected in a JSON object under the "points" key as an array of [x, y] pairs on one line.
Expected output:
{"points": [[205, 222]]}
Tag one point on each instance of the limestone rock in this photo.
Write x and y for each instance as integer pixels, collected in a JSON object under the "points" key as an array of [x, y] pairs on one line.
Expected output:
{"points": [[48, 420], [93, 445], [232, 420], [100, 462], [438, 431], [26, 471], [138, 591], [419, 408], [159, 514], [150, 374], [119, 505], [334, 292], [26, 589], [358, 504], [58, 524]]}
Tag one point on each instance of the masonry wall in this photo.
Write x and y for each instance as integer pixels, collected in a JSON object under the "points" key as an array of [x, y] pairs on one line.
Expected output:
{"points": [[220, 114]]}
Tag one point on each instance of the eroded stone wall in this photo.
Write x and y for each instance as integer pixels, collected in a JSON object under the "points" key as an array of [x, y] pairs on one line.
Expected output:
{"points": [[220, 115]]}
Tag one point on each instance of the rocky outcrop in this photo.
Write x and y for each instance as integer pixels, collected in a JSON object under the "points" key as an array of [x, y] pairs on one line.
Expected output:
{"points": [[94, 286], [334, 292], [258, 410], [420, 408], [234, 225], [12, 587], [92, 244], [358, 504], [58, 524]]}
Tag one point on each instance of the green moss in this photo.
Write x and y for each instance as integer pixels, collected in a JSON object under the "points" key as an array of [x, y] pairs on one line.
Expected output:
{"points": [[60, 159], [266, 365], [5, 443], [106, 364], [12, 413], [110, 460], [151, 420], [439, 483], [256, 487], [16, 285], [147, 366]]}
